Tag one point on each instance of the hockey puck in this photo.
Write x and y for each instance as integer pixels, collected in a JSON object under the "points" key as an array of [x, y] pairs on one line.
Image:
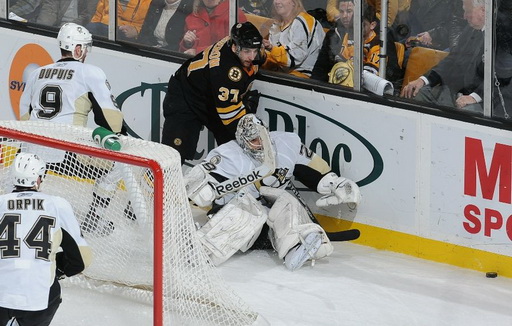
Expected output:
{"points": [[491, 274]]}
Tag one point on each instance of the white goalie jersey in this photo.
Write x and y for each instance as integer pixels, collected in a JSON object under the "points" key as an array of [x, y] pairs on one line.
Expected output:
{"points": [[240, 221], [249, 177], [229, 161], [66, 92]]}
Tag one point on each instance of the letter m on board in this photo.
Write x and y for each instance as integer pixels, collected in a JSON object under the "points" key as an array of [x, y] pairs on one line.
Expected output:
{"points": [[475, 169]]}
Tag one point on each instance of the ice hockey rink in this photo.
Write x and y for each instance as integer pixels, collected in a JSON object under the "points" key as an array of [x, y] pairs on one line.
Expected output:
{"points": [[356, 285]]}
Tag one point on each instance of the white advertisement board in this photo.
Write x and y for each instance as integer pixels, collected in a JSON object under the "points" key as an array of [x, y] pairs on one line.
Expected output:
{"points": [[421, 175]]}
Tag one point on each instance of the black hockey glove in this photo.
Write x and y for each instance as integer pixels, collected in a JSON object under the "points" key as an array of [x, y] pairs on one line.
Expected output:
{"points": [[251, 101], [60, 262], [260, 58]]}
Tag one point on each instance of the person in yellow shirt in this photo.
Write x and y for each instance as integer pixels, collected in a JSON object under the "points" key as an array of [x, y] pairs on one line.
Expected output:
{"points": [[131, 15]]}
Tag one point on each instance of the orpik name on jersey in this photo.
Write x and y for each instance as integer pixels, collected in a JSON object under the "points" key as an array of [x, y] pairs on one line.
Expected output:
{"points": [[24, 204]]}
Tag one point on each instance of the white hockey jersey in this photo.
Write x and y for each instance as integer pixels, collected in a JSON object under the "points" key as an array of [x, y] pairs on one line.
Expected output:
{"points": [[302, 41], [230, 161], [66, 92], [33, 226]]}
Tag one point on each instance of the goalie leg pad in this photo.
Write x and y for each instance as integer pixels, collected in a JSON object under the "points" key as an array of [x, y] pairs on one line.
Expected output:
{"points": [[291, 224], [235, 227]]}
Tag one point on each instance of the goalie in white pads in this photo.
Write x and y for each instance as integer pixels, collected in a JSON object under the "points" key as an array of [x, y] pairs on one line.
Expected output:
{"points": [[233, 177]]}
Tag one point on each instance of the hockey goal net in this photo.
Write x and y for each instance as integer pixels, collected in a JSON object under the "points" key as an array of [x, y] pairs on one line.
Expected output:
{"points": [[134, 213]]}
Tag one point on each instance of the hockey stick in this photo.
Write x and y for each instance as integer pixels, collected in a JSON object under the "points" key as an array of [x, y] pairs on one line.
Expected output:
{"points": [[346, 235]]}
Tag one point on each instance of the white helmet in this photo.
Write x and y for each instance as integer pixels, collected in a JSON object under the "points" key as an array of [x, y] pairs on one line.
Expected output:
{"points": [[250, 128], [26, 169], [71, 34]]}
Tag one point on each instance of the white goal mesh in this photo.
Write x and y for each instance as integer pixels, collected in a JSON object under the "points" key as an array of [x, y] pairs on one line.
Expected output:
{"points": [[135, 215]]}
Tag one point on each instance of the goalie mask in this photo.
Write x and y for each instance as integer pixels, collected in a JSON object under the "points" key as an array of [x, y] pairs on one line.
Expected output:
{"points": [[26, 169], [252, 135]]}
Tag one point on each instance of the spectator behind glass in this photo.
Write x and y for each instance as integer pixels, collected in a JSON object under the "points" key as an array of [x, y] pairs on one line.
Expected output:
{"points": [[502, 79], [207, 24], [164, 23], [435, 24], [333, 13], [314, 4], [257, 7], [294, 41], [338, 45], [131, 14], [453, 81], [24, 10], [59, 12]]}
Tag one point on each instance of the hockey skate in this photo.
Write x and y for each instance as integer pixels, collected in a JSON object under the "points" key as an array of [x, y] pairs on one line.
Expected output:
{"points": [[95, 225], [299, 254], [129, 213]]}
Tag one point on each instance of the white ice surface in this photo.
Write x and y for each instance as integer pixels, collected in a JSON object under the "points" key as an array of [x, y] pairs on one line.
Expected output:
{"points": [[356, 285]]}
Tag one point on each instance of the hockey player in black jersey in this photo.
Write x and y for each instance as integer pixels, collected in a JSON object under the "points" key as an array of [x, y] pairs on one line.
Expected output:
{"points": [[212, 89]]}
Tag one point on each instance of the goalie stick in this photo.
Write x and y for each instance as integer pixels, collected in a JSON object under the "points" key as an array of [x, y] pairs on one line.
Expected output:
{"points": [[346, 235]]}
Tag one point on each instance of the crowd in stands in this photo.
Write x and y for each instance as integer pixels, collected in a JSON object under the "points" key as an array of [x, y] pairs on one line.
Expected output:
{"points": [[304, 38]]}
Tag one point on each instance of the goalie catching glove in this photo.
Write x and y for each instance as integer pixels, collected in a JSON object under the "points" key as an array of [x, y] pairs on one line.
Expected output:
{"points": [[337, 190]]}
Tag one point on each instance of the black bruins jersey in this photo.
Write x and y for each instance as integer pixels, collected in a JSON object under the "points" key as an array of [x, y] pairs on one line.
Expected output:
{"points": [[371, 51], [214, 83]]}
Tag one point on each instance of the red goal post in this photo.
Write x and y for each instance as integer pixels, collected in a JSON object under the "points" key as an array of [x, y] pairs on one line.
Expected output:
{"points": [[158, 238]]}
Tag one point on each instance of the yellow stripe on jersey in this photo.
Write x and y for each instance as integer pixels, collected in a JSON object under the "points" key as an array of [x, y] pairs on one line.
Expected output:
{"points": [[199, 63], [238, 116], [309, 20], [230, 108]]}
